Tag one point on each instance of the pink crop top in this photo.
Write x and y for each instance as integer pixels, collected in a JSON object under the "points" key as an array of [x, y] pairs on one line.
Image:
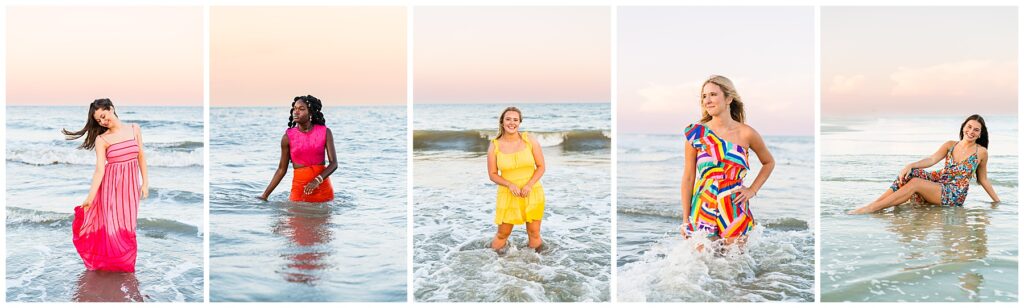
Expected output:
{"points": [[307, 149]]}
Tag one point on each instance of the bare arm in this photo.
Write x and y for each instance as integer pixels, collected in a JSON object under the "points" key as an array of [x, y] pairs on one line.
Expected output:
{"points": [[142, 162], [97, 175], [983, 177], [538, 158], [331, 155], [765, 156], [333, 165], [282, 169], [492, 171], [689, 176], [933, 159]]}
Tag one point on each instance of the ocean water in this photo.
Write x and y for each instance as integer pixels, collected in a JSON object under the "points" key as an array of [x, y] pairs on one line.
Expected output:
{"points": [[352, 248], [47, 177], [914, 252], [655, 264], [454, 203]]}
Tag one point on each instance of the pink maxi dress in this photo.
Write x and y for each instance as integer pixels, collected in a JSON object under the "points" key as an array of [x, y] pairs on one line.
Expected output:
{"points": [[104, 234]]}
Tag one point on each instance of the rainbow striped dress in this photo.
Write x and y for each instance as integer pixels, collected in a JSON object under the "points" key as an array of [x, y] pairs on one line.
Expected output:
{"points": [[104, 235], [721, 167]]}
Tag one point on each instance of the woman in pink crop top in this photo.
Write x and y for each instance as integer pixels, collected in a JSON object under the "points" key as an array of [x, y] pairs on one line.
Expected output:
{"points": [[304, 144]]}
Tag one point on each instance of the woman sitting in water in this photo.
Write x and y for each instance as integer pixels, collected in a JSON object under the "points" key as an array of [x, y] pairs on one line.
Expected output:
{"points": [[716, 204], [304, 145], [948, 186]]}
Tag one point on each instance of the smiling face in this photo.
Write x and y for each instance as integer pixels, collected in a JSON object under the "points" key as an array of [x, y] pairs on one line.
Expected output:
{"points": [[510, 122], [104, 117], [300, 112], [713, 100], [971, 130]]}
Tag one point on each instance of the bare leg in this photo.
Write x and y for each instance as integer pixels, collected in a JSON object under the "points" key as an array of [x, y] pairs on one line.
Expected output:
{"points": [[930, 191], [501, 238], [533, 231], [885, 194]]}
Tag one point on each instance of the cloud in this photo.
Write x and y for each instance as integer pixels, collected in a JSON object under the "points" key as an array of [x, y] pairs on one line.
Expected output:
{"points": [[842, 84], [969, 78], [669, 98]]}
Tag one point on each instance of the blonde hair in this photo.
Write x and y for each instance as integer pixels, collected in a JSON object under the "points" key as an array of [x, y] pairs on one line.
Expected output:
{"points": [[501, 119], [735, 108]]}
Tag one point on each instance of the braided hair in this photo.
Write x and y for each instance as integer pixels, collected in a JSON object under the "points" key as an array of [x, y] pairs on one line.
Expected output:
{"points": [[314, 106]]}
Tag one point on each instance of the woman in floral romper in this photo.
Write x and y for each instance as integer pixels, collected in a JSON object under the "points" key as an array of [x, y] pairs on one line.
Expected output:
{"points": [[965, 159]]}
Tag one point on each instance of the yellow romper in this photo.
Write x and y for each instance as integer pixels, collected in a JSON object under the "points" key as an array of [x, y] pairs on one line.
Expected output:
{"points": [[518, 168]]}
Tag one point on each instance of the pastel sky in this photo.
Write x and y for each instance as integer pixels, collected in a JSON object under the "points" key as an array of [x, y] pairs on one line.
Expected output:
{"points": [[665, 53], [343, 55], [59, 55], [512, 54], [918, 60]]}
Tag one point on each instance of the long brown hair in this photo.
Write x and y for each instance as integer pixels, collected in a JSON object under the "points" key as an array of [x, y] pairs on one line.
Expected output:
{"points": [[982, 139], [501, 119], [729, 90], [92, 128]]}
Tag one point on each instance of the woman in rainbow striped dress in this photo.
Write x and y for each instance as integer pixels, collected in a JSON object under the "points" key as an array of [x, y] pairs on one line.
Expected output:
{"points": [[715, 201], [103, 230]]}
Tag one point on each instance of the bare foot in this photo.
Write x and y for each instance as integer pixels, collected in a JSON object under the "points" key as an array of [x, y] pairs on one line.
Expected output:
{"points": [[503, 250]]}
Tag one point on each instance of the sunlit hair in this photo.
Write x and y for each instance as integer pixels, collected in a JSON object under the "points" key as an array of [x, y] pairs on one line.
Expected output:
{"points": [[92, 127], [501, 119], [729, 90]]}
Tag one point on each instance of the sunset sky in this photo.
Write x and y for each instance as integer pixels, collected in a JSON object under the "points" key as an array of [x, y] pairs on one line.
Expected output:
{"points": [[343, 55], [918, 60], [665, 53], [512, 54], [133, 55]]}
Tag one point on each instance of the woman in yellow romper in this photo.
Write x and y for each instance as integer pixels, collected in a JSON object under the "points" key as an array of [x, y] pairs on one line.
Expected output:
{"points": [[515, 163]]}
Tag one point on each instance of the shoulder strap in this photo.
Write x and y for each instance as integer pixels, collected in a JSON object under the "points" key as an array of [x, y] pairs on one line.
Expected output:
{"points": [[104, 138], [529, 145]]}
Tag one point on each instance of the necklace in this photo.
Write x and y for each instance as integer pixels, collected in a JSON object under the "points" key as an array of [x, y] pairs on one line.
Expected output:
{"points": [[963, 151]]}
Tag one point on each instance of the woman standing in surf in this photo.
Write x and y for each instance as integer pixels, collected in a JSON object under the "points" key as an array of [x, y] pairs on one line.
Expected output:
{"points": [[717, 204], [303, 145], [516, 163], [965, 158], [104, 224]]}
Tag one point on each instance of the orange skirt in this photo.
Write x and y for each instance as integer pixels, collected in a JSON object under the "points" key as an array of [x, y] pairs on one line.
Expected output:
{"points": [[303, 176]]}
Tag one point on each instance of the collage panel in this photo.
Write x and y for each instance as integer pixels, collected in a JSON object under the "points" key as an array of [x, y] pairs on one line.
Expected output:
{"points": [[919, 154], [104, 160], [715, 162], [511, 154], [426, 152], [308, 154]]}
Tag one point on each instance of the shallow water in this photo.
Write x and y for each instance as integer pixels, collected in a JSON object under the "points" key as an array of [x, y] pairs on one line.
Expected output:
{"points": [[915, 252], [656, 264], [454, 208], [42, 264], [349, 249]]}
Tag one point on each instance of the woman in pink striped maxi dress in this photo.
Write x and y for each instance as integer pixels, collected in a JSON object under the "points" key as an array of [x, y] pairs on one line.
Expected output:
{"points": [[104, 227]]}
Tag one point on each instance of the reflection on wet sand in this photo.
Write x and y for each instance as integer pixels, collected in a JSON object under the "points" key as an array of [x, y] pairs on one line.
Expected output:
{"points": [[959, 230], [99, 286], [307, 227]]}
